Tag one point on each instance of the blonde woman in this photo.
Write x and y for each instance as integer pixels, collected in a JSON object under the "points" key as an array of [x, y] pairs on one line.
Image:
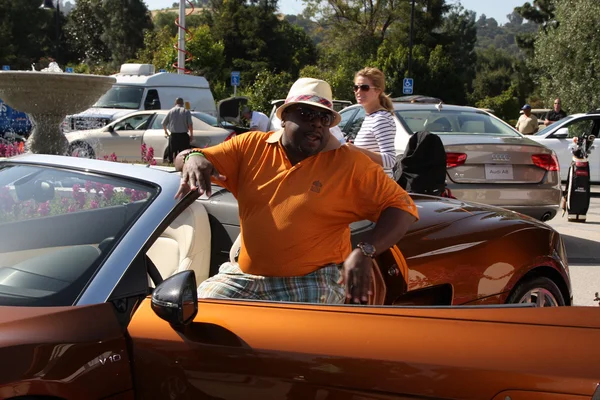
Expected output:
{"points": [[377, 133]]}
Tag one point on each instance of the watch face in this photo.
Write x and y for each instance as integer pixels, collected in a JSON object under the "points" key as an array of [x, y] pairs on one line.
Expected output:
{"points": [[367, 249]]}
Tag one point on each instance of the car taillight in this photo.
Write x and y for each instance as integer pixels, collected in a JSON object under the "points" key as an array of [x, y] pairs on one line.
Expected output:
{"points": [[549, 162], [455, 159], [230, 136]]}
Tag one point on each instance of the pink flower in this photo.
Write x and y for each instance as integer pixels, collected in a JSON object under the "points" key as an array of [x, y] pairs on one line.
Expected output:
{"points": [[72, 208], [113, 157], [89, 185], [108, 191], [44, 208], [94, 204], [143, 149], [128, 191]]}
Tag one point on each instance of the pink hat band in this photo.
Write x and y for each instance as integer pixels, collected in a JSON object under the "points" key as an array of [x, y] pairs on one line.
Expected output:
{"points": [[309, 98]]}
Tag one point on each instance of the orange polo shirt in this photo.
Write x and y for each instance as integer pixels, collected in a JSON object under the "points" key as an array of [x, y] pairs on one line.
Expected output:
{"points": [[295, 219]]}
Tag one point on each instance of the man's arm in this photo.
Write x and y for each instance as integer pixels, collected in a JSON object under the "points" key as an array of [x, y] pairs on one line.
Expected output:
{"points": [[391, 227], [166, 122]]}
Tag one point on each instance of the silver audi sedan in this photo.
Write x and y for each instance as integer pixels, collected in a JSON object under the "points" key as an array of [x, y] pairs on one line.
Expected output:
{"points": [[487, 160]]}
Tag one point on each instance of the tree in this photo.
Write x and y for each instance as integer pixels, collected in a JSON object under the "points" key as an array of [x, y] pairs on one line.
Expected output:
{"points": [[84, 30], [27, 33], [541, 13], [255, 39], [124, 25], [567, 55]]}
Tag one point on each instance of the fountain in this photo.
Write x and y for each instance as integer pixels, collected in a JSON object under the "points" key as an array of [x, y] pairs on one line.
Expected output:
{"points": [[48, 96]]}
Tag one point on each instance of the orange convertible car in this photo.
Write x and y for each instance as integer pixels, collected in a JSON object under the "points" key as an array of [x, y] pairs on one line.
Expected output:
{"points": [[99, 267]]}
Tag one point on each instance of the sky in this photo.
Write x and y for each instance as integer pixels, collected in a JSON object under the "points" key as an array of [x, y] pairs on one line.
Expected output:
{"points": [[497, 9]]}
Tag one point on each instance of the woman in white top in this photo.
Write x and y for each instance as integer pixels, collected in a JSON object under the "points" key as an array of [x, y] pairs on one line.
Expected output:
{"points": [[377, 133]]}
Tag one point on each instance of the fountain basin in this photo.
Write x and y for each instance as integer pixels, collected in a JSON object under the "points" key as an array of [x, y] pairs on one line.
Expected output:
{"points": [[48, 97], [36, 92]]}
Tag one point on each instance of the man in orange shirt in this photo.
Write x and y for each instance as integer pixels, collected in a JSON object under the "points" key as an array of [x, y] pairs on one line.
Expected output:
{"points": [[298, 190]]}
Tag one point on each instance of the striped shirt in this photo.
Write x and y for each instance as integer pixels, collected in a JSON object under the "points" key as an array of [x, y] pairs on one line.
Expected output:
{"points": [[377, 134]]}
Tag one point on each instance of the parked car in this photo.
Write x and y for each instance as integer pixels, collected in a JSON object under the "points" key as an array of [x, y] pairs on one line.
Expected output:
{"points": [[99, 269], [488, 161], [560, 134], [138, 87], [125, 136], [14, 125], [219, 123]]}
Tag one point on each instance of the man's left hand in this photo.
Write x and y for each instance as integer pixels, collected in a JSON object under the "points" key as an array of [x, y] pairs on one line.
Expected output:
{"points": [[357, 277]]}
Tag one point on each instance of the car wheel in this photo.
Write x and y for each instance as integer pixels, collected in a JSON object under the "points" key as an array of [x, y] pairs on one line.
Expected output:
{"points": [[540, 290], [81, 149]]}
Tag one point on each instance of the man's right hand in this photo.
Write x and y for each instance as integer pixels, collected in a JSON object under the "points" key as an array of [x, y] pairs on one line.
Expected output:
{"points": [[196, 174]]}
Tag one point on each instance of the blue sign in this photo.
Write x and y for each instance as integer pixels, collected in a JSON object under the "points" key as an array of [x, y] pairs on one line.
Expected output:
{"points": [[6, 68], [69, 70], [162, 70], [235, 78], [407, 86]]}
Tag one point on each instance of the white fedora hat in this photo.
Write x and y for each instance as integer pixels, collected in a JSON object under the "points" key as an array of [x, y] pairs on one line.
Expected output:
{"points": [[313, 92]]}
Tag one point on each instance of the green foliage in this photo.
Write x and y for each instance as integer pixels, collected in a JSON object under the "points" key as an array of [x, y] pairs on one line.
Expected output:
{"points": [[510, 37], [267, 87], [27, 33], [207, 60], [84, 30], [505, 106], [124, 25], [567, 56]]}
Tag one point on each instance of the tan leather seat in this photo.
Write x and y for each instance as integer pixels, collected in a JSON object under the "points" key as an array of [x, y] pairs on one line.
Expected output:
{"points": [[184, 245]]}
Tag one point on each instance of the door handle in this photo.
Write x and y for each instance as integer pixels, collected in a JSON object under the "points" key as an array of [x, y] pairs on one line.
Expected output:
{"points": [[133, 136]]}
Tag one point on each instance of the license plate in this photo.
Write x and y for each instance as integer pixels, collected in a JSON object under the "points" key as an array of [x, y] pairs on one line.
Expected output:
{"points": [[498, 172]]}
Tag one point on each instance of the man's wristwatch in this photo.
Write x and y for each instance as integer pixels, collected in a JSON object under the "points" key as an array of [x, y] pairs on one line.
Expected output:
{"points": [[367, 249]]}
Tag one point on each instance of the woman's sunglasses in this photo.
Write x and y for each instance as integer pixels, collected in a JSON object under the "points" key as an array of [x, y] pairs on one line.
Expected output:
{"points": [[364, 88], [308, 115]]}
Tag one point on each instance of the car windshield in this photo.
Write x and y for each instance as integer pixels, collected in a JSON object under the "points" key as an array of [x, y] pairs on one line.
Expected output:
{"points": [[126, 97], [209, 119], [453, 122], [549, 127], [57, 227]]}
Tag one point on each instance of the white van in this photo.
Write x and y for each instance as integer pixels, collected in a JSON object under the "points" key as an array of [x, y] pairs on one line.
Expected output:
{"points": [[139, 88]]}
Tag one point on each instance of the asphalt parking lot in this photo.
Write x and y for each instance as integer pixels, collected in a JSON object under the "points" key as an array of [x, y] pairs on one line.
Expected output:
{"points": [[582, 241]]}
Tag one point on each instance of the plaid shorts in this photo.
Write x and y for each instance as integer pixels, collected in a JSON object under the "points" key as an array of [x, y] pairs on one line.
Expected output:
{"points": [[317, 287]]}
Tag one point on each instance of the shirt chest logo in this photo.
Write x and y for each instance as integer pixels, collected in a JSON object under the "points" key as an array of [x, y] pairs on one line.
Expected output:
{"points": [[316, 187]]}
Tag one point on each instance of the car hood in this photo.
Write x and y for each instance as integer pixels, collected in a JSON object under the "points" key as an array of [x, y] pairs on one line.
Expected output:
{"points": [[441, 212], [77, 135], [111, 113]]}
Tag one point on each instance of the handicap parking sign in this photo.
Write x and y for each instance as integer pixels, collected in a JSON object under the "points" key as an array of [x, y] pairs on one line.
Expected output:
{"points": [[69, 70], [407, 86], [6, 68], [235, 78]]}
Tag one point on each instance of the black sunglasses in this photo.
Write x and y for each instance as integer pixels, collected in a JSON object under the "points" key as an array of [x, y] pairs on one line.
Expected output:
{"points": [[308, 115], [364, 88]]}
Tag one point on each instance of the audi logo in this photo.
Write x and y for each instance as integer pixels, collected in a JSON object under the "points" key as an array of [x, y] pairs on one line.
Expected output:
{"points": [[501, 157]]}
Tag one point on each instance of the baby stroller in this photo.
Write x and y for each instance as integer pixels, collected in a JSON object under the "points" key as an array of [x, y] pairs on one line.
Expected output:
{"points": [[422, 169]]}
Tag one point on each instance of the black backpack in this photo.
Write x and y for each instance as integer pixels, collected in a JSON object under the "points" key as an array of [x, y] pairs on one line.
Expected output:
{"points": [[422, 168]]}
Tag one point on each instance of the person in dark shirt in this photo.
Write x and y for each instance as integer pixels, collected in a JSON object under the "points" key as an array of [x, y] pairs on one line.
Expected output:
{"points": [[556, 114]]}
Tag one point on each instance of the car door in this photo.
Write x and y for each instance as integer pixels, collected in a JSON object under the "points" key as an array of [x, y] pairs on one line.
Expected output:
{"points": [[125, 137], [154, 137], [561, 138], [260, 350]]}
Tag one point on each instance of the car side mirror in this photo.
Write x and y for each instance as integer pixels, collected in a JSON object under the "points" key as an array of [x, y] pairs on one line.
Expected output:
{"points": [[176, 299], [110, 129], [561, 133]]}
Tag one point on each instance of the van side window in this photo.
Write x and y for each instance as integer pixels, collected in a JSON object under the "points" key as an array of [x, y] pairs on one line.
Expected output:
{"points": [[152, 101]]}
